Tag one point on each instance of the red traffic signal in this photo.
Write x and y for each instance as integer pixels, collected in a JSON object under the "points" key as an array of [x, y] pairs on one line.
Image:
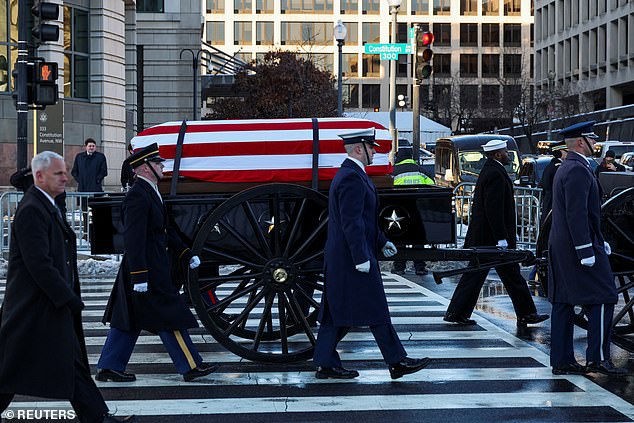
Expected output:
{"points": [[426, 38], [424, 54]]}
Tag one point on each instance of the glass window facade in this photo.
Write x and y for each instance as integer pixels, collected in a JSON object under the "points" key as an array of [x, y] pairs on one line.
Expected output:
{"points": [[215, 34], [8, 42], [371, 96], [242, 33], [512, 65], [151, 6], [349, 6], [442, 34], [350, 65], [76, 53], [350, 95], [512, 7], [307, 33], [370, 7], [490, 7], [242, 6], [371, 65], [468, 7], [264, 6], [469, 65], [420, 7], [469, 35], [512, 35], [490, 35], [264, 33], [370, 32], [442, 65], [215, 6], [442, 7], [490, 65], [306, 6], [352, 34]]}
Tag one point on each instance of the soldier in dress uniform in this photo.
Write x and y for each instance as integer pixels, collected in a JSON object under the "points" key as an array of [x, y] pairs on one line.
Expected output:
{"points": [[546, 183], [144, 296], [353, 291], [579, 272], [493, 224]]}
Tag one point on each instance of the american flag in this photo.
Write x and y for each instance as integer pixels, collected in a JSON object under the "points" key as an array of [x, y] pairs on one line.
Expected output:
{"points": [[261, 150]]}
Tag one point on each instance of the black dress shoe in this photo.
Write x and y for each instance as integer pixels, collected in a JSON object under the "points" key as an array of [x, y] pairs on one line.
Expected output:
{"points": [[459, 319], [570, 369], [104, 375], [531, 319], [203, 369], [335, 373], [605, 367], [407, 366]]}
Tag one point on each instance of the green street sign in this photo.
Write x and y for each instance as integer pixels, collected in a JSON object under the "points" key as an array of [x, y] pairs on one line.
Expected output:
{"points": [[388, 51]]}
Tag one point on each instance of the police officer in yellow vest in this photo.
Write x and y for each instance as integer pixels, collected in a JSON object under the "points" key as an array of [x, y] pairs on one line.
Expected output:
{"points": [[408, 172]]}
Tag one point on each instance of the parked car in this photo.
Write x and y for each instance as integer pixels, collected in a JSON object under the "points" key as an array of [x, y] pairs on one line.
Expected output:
{"points": [[532, 169], [619, 148], [460, 158]]}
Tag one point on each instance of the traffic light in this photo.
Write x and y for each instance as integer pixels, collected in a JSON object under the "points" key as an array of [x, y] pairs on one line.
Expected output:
{"points": [[43, 12], [424, 53], [44, 83]]}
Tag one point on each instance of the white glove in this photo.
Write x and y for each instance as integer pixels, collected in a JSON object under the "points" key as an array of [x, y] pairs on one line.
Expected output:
{"points": [[194, 262], [607, 248], [389, 249], [588, 261], [140, 287], [502, 243], [363, 267]]}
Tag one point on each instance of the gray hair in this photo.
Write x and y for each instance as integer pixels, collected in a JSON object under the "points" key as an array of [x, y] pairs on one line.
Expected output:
{"points": [[43, 160]]}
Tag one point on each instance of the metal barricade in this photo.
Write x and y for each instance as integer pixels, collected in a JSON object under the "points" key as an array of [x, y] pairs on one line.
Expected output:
{"points": [[527, 208], [78, 216]]}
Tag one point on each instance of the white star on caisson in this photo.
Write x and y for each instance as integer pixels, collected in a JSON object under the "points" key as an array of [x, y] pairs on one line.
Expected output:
{"points": [[271, 223], [394, 219]]}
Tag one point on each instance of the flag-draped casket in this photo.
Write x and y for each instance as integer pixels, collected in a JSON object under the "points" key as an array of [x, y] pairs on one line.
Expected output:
{"points": [[262, 150]]}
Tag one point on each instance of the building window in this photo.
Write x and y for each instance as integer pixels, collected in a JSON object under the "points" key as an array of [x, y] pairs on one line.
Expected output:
{"points": [[350, 95], [442, 7], [469, 7], [264, 6], [512, 96], [420, 7], [350, 6], [242, 6], [512, 35], [76, 53], [306, 6], [468, 35], [371, 96], [490, 96], [490, 65], [264, 33], [469, 96], [469, 65], [512, 65], [242, 33], [152, 6], [442, 65], [371, 7], [371, 65], [215, 6], [370, 32], [512, 7], [8, 43], [442, 34], [307, 33], [352, 36], [490, 35], [490, 7], [215, 33], [350, 65]]}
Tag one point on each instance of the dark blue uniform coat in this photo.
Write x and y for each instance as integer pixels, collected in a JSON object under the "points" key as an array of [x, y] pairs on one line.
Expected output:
{"points": [[147, 235], [353, 298], [38, 332], [546, 184], [576, 234]]}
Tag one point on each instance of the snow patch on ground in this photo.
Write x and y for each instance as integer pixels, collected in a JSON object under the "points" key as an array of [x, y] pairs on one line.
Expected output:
{"points": [[103, 266]]}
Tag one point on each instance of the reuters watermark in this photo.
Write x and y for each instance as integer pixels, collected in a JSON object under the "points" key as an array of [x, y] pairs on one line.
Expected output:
{"points": [[38, 414]]}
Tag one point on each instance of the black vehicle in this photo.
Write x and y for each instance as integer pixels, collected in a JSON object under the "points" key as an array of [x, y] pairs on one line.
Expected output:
{"points": [[532, 169]]}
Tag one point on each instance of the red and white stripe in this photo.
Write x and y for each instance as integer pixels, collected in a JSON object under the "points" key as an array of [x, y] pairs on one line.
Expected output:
{"points": [[261, 150]]}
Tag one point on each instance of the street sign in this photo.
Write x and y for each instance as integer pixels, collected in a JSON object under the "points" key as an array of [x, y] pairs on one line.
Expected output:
{"points": [[388, 51], [411, 33]]}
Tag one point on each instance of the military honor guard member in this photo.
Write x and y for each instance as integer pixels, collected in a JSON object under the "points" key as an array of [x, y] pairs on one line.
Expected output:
{"points": [[353, 289], [493, 224], [546, 183], [579, 272], [144, 296]]}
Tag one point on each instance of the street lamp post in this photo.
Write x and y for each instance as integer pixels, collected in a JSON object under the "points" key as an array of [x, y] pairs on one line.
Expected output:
{"points": [[551, 82], [340, 36], [195, 66], [394, 6]]}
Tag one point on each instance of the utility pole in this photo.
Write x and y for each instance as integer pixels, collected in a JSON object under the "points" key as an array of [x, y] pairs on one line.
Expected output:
{"points": [[22, 106]]}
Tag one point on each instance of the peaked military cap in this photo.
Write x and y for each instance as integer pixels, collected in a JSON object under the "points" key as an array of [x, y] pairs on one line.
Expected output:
{"points": [[581, 129], [494, 145], [146, 154], [367, 136]]}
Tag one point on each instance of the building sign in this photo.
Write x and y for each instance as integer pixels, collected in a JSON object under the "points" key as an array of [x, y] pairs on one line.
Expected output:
{"points": [[49, 129]]}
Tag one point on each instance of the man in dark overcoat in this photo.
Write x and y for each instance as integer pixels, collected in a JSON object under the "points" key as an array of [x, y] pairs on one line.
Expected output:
{"points": [[493, 224], [548, 177], [353, 291], [579, 271], [144, 296], [42, 348], [90, 168]]}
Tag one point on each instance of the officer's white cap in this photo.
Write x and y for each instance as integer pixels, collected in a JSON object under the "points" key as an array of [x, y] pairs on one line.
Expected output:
{"points": [[494, 145]]}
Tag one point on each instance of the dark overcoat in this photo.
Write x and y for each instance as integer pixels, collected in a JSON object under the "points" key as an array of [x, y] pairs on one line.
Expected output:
{"points": [[493, 208], [147, 235], [576, 234], [89, 171], [353, 298], [38, 332], [546, 184]]}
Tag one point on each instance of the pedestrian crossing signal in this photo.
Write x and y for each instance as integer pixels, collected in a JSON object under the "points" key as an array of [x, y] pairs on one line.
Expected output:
{"points": [[44, 83]]}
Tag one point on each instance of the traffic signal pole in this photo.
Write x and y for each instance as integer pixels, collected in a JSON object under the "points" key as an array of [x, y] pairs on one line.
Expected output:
{"points": [[416, 120], [22, 106]]}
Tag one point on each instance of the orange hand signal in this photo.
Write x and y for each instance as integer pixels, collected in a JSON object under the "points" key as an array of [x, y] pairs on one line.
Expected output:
{"points": [[46, 72]]}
